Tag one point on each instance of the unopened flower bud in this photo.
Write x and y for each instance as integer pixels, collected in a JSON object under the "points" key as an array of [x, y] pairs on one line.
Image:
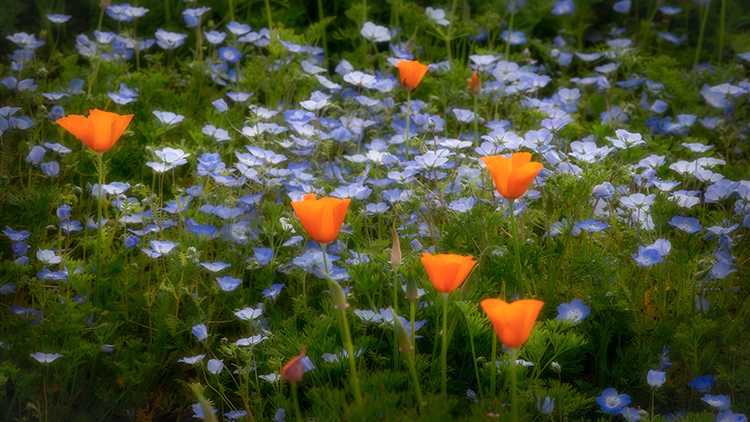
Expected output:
{"points": [[412, 292], [293, 370], [556, 367], [339, 298], [395, 252], [404, 341]]}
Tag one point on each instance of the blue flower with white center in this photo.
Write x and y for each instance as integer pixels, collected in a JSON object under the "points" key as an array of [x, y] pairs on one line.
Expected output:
{"points": [[249, 314], [238, 29], [70, 226], [192, 360], [168, 118], [630, 414], [375, 209], [228, 284], [215, 37], [575, 311], [375, 33], [215, 266], [45, 357], [463, 205], [729, 416], [48, 257], [720, 403], [563, 7], [637, 201], [200, 332], [273, 292], [169, 40], [656, 378], [58, 19], [611, 402], [592, 226], [236, 415], [230, 54], [647, 257], [159, 249]]}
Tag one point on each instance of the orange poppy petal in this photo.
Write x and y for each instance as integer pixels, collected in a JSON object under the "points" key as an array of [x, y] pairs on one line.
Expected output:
{"points": [[512, 322], [80, 127], [118, 127], [519, 159], [520, 179], [500, 169]]}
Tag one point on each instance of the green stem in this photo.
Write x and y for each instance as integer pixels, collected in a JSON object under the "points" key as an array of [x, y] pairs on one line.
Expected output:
{"points": [[700, 35], [415, 381], [652, 403], [493, 374], [99, 217], [320, 18], [722, 29], [413, 306], [513, 385], [444, 348], [395, 310], [231, 10], [408, 119], [297, 412], [346, 333], [476, 120], [268, 13], [519, 274], [510, 28]]}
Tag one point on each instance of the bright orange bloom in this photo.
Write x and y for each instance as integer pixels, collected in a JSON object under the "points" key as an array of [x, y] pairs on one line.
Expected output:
{"points": [[293, 370], [411, 73], [321, 218], [99, 131], [512, 176], [512, 321], [476, 86], [447, 271]]}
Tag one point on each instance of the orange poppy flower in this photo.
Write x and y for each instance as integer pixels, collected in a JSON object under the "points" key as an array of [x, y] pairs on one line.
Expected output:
{"points": [[447, 271], [512, 176], [321, 218], [99, 131], [293, 370], [512, 321], [411, 73]]}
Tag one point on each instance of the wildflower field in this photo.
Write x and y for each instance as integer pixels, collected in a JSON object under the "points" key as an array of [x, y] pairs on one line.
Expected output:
{"points": [[515, 210]]}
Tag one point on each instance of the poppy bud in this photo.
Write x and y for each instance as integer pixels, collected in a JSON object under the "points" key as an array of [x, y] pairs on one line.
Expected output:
{"points": [[339, 298], [412, 292], [404, 341], [395, 252]]}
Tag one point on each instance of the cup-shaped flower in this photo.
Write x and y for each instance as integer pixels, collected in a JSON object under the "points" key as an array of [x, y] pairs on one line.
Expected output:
{"points": [[656, 378], [99, 131], [411, 73], [476, 85], [447, 271], [293, 370], [512, 321], [512, 176], [321, 218]]}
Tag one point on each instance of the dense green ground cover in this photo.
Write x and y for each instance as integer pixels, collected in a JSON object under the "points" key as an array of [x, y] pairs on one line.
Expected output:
{"points": [[634, 234]]}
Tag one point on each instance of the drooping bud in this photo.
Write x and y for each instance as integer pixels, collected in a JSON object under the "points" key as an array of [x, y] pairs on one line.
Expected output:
{"points": [[339, 298], [293, 370], [395, 252], [404, 341], [412, 291]]}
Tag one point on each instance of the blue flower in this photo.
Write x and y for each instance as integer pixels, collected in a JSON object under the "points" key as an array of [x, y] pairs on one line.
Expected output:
{"points": [[721, 403], [592, 226], [215, 266], [169, 40], [230, 54], [58, 18], [516, 37], [563, 7], [228, 283], [36, 155], [45, 357], [200, 332], [131, 241], [647, 257], [702, 384], [220, 105], [16, 236], [611, 402], [630, 414], [56, 113], [263, 255], [249, 314], [63, 212], [729, 416], [273, 292], [656, 378], [622, 6], [30, 314], [547, 407], [215, 366], [192, 360], [664, 361], [235, 414], [50, 169], [70, 226], [575, 311], [603, 191]]}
